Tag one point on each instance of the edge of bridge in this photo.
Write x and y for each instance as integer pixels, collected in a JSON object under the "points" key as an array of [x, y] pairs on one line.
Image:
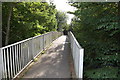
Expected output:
{"points": [[70, 61]]}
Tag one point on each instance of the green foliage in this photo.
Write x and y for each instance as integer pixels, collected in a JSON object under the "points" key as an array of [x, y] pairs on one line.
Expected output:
{"points": [[105, 72], [28, 19], [62, 20], [95, 26]]}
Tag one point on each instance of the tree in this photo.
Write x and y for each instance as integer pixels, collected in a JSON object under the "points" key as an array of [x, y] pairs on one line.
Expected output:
{"points": [[8, 23], [96, 28], [61, 20], [27, 19]]}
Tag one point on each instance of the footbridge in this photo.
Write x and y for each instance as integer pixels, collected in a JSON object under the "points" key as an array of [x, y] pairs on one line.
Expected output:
{"points": [[51, 55]]}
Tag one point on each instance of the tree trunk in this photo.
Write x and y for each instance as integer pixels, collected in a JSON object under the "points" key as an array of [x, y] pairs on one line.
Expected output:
{"points": [[8, 24]]}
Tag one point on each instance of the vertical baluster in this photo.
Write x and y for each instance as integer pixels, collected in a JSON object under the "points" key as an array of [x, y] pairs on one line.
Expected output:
{"points": [[2, 71], [28, 53], [17, 55], [8, 65], [15, 59], [33, 47], [11, 63], [43, 41], [37, 45], [20, 56], [46, 39], [30, 49], [81, 63], [24, 53], [51, 37], [77, 55], [26, 49], [13, 56], [29, 58], [32, 55], [40, 43], [5, 62]]}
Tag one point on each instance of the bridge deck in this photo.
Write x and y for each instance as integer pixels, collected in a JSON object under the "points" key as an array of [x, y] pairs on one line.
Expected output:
{"points": [[55, 63]]}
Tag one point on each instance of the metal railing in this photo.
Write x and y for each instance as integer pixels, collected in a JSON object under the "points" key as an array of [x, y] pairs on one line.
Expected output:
{"points": [[77, 53], [16, 57]]}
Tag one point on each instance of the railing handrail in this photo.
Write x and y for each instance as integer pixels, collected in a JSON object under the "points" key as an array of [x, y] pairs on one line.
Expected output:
{"points": [[78, 54], [16, 43], [76, 40], [42, 34], [24, 40], [20, 54]]}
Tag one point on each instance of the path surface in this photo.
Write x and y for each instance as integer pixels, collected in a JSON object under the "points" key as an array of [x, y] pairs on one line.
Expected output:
{"points": [[54, 63]]}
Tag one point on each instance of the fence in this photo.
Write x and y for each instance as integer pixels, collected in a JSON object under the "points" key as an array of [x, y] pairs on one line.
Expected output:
{"points": [[16, 57], [77, 53]]}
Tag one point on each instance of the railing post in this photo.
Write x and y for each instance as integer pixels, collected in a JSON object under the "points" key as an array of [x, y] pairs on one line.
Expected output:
{"points": [[81, 54], [52, 36], [1, 64], [43, 42], [32, 48]]}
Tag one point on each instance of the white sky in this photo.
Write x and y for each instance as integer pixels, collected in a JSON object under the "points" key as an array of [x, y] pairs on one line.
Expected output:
{"points": [[62, 5]]}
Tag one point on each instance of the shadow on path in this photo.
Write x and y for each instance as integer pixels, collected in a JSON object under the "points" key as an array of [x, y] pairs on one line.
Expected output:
{"points": [[54, 63]]}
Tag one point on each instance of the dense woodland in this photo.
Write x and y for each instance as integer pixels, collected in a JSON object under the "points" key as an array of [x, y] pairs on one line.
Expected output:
{"points": [[27, 19], [95, 26], [97, 29]]}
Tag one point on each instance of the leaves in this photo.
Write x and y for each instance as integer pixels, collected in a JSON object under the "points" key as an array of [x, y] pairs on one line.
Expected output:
{"points": [[95, 26], [29, 19]]}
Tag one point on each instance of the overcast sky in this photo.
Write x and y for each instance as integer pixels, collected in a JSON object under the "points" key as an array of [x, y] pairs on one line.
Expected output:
{"points": [[63, 5]]}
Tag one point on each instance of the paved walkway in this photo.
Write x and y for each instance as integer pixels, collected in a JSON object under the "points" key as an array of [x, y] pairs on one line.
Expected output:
{"points": [[54, 63]]}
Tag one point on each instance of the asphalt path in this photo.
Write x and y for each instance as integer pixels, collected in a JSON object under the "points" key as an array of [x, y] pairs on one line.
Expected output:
{"points": [[54, 63]]}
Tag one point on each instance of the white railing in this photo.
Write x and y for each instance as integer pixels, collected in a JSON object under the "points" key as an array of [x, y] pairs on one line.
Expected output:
{"points": [[16, 57], [77, 53]]}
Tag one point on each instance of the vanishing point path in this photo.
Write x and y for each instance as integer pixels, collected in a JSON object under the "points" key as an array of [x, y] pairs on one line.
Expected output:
{"points": [[55, 63]]}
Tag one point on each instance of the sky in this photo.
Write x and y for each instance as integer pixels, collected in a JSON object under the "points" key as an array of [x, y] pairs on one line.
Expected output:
{"points": [[63, 5]]}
